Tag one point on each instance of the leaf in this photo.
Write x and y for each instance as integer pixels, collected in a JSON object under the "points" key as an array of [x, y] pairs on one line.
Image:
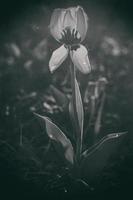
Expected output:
{"points": [[96, 157], [61, 143], [59, 96], [98, 121], [76, 110]]}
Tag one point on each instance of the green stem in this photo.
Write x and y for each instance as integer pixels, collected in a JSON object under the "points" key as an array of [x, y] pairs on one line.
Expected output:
{"points": [[77, 128]]}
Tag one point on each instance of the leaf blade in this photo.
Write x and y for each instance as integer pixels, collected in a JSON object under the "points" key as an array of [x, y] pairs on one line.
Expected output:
{"points": [[55, 134], [96, 157]]}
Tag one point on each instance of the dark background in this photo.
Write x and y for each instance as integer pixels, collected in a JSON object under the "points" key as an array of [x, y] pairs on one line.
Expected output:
{"points": [[10, 12], [11, 9]]}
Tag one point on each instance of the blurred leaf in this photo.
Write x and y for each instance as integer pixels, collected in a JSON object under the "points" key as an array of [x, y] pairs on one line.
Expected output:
{"points": [[27, 152], [61, 143], [96, 157], [76, 110], [41, 51], [98, 121], [60, 97], [15, 50]]}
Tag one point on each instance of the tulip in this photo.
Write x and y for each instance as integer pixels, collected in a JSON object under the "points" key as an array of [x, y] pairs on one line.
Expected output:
{"points": [[69, 27]]}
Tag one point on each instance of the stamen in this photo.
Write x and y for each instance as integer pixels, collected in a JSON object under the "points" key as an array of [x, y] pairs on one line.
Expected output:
{"points": [[76, 33], [70, 37], [73, 33]]}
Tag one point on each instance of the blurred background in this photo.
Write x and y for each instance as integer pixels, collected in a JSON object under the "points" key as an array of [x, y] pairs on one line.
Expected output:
{"points": [[26, 86]]}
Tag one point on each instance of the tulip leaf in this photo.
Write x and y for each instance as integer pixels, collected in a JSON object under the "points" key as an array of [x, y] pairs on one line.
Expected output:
{"points": [[61, 143], [96, 157], [76, 110]]}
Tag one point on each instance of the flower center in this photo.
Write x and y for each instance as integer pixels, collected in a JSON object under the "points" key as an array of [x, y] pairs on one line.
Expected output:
{"points": [[70, 37]]}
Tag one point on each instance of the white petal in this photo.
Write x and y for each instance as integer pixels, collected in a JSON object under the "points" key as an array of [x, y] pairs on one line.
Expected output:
{"points": [[73, 12], [69, 20], [57, 58], [80, 59], [56, 23], [82, 22]]}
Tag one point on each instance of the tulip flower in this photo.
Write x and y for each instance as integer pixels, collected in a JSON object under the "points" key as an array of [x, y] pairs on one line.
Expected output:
{"points": [[69, 27]]}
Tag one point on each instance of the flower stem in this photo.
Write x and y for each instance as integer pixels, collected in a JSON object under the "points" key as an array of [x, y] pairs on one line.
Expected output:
{"points": [[76, 123]]}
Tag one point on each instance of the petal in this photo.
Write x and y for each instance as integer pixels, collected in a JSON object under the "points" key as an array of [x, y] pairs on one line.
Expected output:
{"points": [[57, 58], [56, 23], [82, 22], [73, 11], [80, 59], [69, 21]]}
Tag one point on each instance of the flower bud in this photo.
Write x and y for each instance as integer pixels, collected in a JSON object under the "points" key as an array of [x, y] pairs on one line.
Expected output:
{"points": [[73, 18]]}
